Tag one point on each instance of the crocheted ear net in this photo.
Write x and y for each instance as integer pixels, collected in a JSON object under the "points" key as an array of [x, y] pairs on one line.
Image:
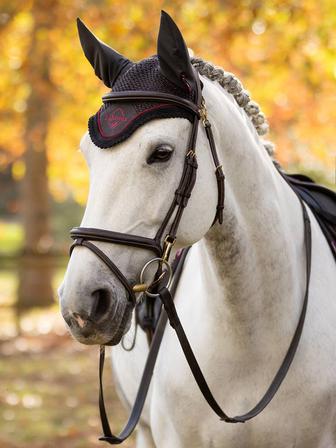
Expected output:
{"points": [[115, 122]]}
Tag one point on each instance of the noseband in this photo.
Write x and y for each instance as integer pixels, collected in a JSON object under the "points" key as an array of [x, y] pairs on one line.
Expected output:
{"points": [[161, 246]]}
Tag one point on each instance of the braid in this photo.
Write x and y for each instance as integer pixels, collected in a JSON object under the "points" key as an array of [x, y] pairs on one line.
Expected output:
{"points": [[232, 85]]}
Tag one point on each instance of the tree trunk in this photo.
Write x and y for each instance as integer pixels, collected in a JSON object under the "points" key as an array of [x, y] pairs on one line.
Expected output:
{"points": [[35, 271]]}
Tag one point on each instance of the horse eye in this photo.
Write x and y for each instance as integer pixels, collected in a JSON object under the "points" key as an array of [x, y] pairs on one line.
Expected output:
{"points": [[160, 154]]}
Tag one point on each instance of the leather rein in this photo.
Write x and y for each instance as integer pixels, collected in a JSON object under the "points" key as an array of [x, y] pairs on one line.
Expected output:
{"points": [[165, 291]]}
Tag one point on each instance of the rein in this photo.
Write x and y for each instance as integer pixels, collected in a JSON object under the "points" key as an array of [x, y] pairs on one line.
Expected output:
{"points": [[84, 236], [177, 267]]}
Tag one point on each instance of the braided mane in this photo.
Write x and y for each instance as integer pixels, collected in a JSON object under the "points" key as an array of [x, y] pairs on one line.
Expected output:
{"points": [[232, 85]]}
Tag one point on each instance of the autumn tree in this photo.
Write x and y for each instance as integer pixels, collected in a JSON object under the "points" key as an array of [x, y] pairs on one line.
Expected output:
{"points": [[35, 269]]}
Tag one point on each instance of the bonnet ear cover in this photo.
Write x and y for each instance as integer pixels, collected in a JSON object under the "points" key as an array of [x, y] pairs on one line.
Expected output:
{"points": [[169, 72], [173, 54], [108, 64]]}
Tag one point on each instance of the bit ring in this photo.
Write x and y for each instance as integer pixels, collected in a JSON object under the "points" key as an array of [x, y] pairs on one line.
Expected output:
{"points": [[169, 270]]}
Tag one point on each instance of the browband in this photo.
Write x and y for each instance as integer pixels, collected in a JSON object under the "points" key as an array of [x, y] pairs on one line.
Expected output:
{"points": [[149, 96]]}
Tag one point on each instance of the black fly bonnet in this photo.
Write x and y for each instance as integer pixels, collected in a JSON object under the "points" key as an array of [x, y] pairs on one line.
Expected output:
{"points": [[115, 122]]}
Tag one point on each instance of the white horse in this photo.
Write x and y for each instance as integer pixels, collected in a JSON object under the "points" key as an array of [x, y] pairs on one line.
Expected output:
{"points": [[240, 294]]}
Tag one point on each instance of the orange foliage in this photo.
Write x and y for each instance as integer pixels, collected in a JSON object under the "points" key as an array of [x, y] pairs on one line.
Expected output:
{"points": [[284, 53]]}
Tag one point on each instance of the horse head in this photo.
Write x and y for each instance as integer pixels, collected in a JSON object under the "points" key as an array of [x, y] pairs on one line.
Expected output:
{"points": [[135, 152]]}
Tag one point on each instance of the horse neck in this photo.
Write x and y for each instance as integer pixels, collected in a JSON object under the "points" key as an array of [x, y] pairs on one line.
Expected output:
{"points": [[255, 261]]}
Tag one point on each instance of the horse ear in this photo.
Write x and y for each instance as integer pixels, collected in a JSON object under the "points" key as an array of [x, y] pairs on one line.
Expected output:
{"points": [[107, 63], [173, 54]]}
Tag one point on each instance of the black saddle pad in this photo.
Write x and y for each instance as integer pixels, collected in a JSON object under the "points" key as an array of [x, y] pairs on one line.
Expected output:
{"points": [[321, 201]]}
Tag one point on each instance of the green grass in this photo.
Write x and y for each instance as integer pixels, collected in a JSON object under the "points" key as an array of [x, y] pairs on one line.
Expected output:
{"points": [[11, 237]]}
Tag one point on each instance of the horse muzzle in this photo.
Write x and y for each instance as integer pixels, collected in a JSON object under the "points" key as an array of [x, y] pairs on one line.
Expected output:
{"points": [[104, 319]]}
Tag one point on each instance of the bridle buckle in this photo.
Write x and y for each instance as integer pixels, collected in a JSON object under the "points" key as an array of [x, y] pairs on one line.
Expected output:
{"points": [[168, 244]]}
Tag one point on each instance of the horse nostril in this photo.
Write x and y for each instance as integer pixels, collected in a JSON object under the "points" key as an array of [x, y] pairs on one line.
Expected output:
{"points": [[102, 302]]}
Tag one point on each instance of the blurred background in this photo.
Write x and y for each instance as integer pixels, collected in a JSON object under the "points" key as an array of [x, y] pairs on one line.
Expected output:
{"points": [[284, 52]]}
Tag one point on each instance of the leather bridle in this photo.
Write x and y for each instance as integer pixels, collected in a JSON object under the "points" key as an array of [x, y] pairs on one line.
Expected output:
{"points": [[83, 235], [161, 246]]}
